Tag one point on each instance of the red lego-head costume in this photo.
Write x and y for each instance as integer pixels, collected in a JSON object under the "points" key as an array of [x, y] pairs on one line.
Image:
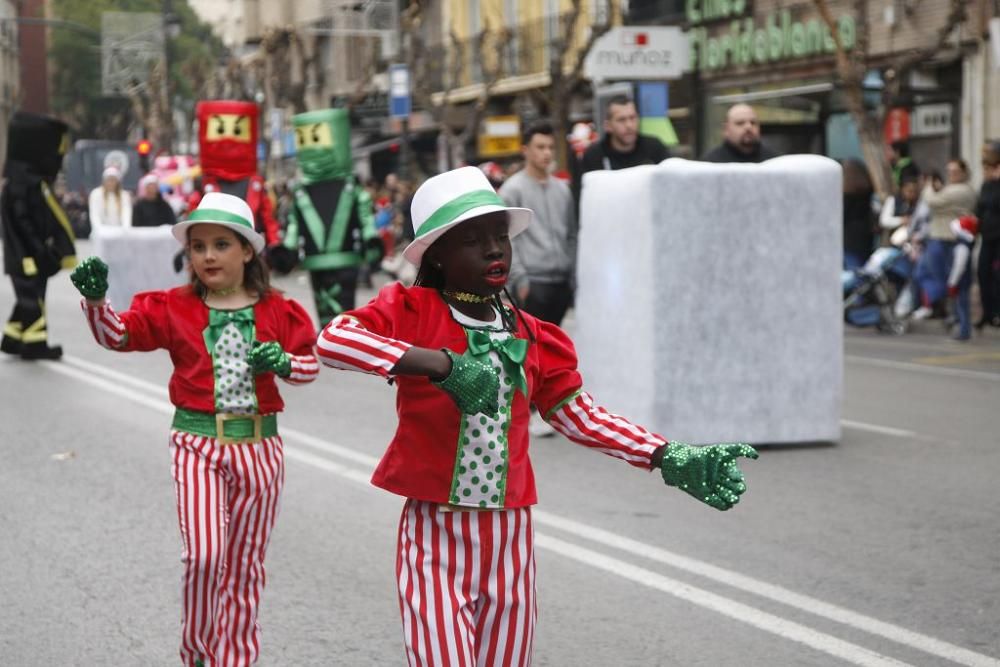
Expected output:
{"points": [[227, 136]]}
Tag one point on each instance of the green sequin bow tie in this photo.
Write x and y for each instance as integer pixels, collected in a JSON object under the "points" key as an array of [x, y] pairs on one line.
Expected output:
{"points": [[218, 319], [512, 353]]}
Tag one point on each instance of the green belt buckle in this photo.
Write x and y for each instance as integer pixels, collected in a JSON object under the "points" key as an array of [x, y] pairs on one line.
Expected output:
{"points": [[230, 428]]}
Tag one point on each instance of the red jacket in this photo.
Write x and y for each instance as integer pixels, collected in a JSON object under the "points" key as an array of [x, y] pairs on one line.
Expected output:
{"points": [[176, 319], [420, 460]]}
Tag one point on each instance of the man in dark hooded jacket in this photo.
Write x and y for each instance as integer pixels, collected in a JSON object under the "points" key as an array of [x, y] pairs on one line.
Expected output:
{"points": [[38, 238]]}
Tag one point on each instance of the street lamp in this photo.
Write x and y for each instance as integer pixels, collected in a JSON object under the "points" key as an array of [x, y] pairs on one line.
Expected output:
{"points": [[171, 29]]}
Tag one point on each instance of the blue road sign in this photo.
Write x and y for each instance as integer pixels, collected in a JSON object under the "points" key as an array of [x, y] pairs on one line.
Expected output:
{"points": [[399, 91]]}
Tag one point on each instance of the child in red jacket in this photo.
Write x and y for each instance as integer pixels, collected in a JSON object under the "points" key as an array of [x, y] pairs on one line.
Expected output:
{"points": [[468, 368], [229, 334]]}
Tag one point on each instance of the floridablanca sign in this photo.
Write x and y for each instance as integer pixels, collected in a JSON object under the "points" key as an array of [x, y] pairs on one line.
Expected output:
{"points": [[778, 37]]}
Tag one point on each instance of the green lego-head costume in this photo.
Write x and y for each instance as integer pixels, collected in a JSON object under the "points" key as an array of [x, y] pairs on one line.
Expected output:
{"points": [[323, 144]]}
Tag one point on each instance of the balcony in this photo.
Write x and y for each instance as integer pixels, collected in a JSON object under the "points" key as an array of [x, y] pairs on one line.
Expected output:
{"points": [[520, 53]]}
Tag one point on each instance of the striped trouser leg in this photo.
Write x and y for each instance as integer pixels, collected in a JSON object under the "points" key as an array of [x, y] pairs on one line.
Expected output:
{"points": [[257, 476], [199, 485], [227, 500], [466, 586]]}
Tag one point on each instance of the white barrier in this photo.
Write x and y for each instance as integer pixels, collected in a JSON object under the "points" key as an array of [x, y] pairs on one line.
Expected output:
{"points": [[709, 298], [138, 259]]}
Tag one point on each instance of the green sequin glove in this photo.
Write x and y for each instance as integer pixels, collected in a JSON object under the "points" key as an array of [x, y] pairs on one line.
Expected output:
{"points": [[269, 357], [708, 473], [473, 385], [91, 278]]}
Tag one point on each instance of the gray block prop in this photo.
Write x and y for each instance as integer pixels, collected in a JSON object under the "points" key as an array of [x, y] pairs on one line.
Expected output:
{"points": [[139, 259], [709, 305]]}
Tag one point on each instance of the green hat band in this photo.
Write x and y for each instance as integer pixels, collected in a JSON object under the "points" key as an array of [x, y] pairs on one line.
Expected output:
{"points": [[216, 215], [457, 206]]}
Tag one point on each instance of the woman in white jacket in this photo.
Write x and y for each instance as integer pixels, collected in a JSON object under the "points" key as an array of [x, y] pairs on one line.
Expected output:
{"points": [[110, 203]]}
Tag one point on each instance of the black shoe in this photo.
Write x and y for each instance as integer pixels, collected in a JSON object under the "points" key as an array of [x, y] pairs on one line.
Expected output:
{"points": [[10, 345], [995, 321], [41, 351]]}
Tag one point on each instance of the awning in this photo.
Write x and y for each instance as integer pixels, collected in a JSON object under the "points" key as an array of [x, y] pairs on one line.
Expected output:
{"points": [[793, 91]]}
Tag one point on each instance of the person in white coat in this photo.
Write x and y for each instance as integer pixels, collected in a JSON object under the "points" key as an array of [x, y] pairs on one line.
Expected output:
{"points": [[110, 203]]}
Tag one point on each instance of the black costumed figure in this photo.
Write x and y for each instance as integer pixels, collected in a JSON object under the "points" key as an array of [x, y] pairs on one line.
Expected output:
{"points": [[38, 238], [331, 218]]}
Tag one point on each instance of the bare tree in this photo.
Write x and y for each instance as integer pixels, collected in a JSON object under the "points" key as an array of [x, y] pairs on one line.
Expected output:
{"points": [[565, 68], [436, 74], [290, 66], [851, 69], [150, 105]]}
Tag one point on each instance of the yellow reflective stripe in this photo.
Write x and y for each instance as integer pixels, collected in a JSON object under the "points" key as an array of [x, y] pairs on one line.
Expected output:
{"points": [[35, 331], [13, 330], [57, 211], [68, 262], [28, 266]]}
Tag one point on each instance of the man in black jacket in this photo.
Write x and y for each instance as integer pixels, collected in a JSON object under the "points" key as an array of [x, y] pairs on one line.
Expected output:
{"points": [[38, 239], [740, 138], [622, 145]]}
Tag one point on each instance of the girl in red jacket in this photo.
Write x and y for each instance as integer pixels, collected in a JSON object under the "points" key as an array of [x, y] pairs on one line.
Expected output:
{"points": [[468, 368], [229, 334]]}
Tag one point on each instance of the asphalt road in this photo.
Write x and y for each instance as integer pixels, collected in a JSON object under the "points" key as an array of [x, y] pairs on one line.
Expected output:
{"points": [[880, 549]]}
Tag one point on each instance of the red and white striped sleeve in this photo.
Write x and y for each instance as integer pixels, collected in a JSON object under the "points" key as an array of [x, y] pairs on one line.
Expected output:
{"points": [[108, 329], [305, 368], [592, 426], [346, 344]]}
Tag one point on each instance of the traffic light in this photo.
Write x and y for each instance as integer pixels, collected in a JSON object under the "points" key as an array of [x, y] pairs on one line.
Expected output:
{"points": [[144, 148]]}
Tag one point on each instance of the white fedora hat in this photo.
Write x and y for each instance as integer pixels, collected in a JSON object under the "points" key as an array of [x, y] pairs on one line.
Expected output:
{"points": [[447, 199], [226, 210]]}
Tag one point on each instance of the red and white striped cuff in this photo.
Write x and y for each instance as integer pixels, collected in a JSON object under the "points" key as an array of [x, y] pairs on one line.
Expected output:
{"points": [[347, 345], [305, 368], [592, 426], [108, 329]]}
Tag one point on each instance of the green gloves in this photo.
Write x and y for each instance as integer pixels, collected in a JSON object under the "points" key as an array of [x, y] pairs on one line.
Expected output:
{"points": [[269, 357], [473, 385], [91, 278], [708, 473]]}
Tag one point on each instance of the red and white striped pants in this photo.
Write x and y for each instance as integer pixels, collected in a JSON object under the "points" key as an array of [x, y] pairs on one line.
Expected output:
{"points": [[466, 585], [227, 500]]}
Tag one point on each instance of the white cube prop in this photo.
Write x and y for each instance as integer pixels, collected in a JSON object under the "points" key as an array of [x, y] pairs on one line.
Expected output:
{"points": [[709, 304], [139, 259]]}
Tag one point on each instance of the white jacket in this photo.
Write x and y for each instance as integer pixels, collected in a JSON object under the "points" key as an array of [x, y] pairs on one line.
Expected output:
{"points": [[105, 211]]}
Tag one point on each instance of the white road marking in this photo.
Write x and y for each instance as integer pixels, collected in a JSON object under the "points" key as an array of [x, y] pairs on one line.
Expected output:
{"points": [[760, 619], [771, 592], [921, 368], [875, 428], [774, 624]]}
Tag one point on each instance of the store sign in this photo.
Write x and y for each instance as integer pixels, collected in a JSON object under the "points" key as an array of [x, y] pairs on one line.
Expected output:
{"points": [[705, 11], [778, 39], [500, 136], [931, 120], [897, 125], [638, 53]]}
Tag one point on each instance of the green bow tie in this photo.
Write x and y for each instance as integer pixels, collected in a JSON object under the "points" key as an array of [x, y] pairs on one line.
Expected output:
{"points": [[219, 319], [512, 353]]}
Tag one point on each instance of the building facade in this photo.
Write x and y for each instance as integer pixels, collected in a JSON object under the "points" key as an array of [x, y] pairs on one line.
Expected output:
{"points": [[9, 70]]}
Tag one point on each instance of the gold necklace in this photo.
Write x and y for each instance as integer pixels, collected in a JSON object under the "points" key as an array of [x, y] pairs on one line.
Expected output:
{"points": [[467, 297], [224, 292]]}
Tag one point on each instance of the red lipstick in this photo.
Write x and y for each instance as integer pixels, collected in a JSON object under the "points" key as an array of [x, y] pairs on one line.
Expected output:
{"points": [[496, 274]]}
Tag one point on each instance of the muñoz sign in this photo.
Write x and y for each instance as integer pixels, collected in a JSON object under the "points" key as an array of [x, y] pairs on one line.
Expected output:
{"points": [[633, 53]]}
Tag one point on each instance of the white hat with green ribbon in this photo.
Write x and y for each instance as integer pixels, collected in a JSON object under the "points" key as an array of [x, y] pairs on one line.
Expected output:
{"points": [[447, 199], [229, 211]]}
